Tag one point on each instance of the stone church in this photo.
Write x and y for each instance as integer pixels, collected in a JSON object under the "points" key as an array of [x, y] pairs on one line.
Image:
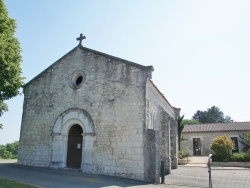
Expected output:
{"points": [[99, 114]]}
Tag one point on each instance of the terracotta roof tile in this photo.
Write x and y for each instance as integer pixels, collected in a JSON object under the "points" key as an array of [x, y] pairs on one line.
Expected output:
{"points": [[216, 127]]}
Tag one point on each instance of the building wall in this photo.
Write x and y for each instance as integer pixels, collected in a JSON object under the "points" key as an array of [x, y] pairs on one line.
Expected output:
{"points": [[206, 138], [162, 129], [112, 95]]}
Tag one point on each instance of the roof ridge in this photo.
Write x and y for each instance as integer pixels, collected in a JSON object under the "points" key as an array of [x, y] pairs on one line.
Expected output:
{"points": [[119, 59], [93, 51], [221, 123], [215, 127]]}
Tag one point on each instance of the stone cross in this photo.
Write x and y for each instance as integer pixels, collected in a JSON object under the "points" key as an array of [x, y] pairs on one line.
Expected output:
{"points": [[80, 39]]}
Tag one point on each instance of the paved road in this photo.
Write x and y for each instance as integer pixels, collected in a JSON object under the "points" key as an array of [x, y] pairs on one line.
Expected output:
{"points": [[51, 178], [197, 176], [184, 177]]}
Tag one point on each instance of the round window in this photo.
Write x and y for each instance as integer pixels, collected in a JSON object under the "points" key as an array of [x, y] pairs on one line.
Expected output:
{"points": [[77, 79]]}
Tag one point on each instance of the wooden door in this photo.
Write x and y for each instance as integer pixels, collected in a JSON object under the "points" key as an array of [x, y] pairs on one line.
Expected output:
{"points": [[74, 153], [197, 146]]}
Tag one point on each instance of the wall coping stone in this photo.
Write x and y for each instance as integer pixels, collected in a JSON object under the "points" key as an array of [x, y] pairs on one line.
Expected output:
{"points": [[231, 164]]}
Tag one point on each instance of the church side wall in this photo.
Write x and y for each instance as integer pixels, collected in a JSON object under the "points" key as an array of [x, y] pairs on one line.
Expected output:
{"points": [[113, 94], [161, 119]]}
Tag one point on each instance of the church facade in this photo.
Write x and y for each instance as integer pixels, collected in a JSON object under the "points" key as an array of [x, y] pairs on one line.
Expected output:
{"points": [[100, 114]]}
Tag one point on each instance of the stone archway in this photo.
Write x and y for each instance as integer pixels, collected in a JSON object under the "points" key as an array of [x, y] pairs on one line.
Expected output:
{"points": [[64, 122]]}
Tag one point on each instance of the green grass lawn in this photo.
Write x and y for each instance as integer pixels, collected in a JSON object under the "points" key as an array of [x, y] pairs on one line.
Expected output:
{"points": [[4, 183]]}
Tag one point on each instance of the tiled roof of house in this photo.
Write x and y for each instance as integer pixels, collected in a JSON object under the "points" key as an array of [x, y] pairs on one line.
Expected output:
{"points": [[217, 127]]}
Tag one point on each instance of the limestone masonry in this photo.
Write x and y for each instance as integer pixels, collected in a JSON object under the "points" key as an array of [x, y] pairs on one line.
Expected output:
{"points": [[100, 114]]}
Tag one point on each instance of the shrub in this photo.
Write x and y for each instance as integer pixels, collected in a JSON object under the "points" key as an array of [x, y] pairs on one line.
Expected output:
{"points": [[247, 157], [246, 140], [222, 146], [215, 158], [240, 157], [237, 157], [182, 155]]}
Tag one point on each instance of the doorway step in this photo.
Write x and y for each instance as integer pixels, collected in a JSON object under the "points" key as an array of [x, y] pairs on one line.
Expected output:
{"points": [[197, 161]]}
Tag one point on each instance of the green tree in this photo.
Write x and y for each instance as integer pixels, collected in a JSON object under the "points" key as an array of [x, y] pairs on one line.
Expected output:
{"points": [[10, 58], [4, 153], [180, 128], [222, 146], [212, 115], [13, 148], [7, 155], [189, 122], [9, 151], [245, 139]]}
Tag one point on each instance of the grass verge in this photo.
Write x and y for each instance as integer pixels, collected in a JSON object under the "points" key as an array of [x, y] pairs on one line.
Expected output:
{"points": [[5, 183]]}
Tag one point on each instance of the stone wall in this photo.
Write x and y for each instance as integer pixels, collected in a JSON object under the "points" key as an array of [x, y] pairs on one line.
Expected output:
{"points": [[152, 158], [112, 92], [161, 118], [174, 143], [206, 138], [165, 146]]}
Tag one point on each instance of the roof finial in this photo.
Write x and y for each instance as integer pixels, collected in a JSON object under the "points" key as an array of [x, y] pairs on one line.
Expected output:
{"points": [[80, 39]]}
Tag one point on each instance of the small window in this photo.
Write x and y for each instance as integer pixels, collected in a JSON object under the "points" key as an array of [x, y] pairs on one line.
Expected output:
{"points": [[77, 79], [152, 121]]}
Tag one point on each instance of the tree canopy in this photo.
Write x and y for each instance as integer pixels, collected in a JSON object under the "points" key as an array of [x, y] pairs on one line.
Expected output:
{"points": [[10, 58], [211, 115], [9, 151], [245, 139], [189, 122]]}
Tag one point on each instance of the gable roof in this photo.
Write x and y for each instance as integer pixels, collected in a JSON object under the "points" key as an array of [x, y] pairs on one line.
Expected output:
{"points": [[217, 127], [150, 68]]}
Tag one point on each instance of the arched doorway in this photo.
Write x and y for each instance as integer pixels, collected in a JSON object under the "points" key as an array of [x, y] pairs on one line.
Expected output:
{"points": [[61, 131], [74, 151]]}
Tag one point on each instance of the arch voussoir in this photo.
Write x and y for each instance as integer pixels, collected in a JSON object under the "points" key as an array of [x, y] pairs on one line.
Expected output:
{"points": [[60, 132], [74, 113]]}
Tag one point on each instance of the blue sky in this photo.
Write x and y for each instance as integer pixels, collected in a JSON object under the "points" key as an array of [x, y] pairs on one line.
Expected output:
{"points": [[199, 49]]}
